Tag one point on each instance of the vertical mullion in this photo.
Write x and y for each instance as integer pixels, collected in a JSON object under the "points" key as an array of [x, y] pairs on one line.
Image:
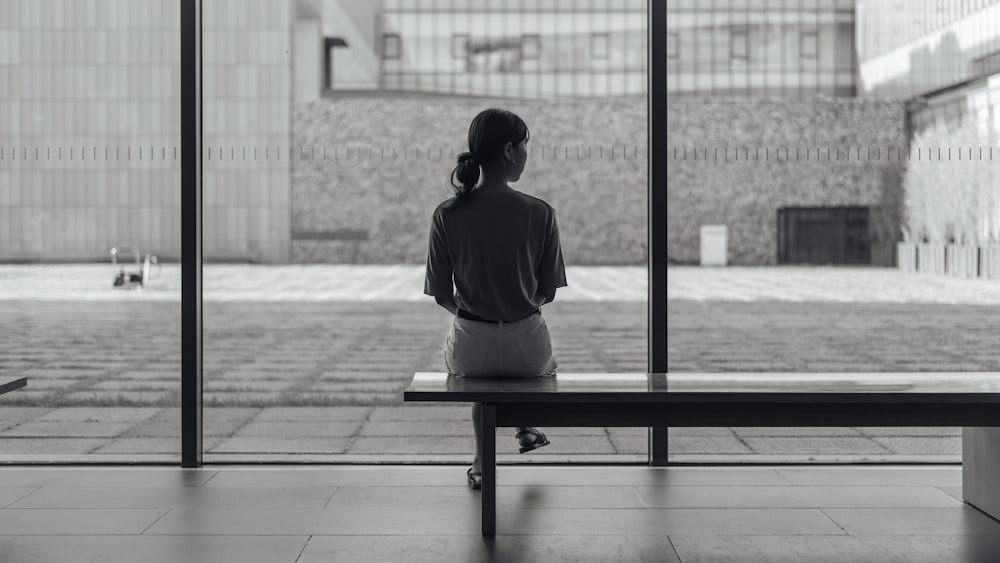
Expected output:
{"points": [[657, 207], [191, 235]]}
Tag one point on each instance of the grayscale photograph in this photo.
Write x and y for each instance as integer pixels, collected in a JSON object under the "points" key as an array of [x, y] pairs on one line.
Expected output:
{"points": [[692, 281]]}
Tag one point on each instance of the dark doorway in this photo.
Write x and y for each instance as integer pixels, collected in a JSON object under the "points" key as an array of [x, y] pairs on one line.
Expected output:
{"points": [[823, 235]]}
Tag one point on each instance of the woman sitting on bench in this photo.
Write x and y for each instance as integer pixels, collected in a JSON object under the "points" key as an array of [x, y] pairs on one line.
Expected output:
{"points": [[502, 248]]}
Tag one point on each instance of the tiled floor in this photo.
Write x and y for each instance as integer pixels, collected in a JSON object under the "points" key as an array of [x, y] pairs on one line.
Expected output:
{"points": [[546, 513]]}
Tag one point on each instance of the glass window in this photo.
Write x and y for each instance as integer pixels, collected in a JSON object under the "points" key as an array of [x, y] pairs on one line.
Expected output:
{"points": [[807, 45], [530, 47], [738, 48], [459, 46], [391, 46], [599, 46], [672, 45]]}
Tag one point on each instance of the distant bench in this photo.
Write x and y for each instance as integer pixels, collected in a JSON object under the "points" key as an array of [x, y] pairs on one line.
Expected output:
{"points": [[8, 386], [661, 400]]}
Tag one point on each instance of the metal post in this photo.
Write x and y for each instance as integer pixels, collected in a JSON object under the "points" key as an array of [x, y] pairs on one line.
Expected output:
{"points": [[488, 418], [191, 242], [657, 212]]}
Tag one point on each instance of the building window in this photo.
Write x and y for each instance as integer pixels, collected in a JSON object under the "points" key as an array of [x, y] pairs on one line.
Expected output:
{"points": [[390, 46], [807, 45], [672, 47], [738, 44], [459, 47], [530, 46], [599, 46]]}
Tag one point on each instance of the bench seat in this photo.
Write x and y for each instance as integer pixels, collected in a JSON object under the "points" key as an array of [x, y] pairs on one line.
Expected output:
{"points": [[8, 386], [968, 399]]}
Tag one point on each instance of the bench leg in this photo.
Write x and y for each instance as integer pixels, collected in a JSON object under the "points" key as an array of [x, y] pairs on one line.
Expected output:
{"points": [[488, 417], [658, 446]]}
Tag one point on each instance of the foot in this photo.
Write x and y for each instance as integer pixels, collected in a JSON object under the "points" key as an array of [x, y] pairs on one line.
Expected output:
{"points": [[531, 439], [474, 478]]}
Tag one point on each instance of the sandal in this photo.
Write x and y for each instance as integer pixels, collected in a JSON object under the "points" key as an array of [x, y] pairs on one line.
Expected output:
{"points": [[475, 479], [540, 440]]}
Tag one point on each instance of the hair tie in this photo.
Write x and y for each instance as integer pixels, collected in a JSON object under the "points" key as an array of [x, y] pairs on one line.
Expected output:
{"points": [[467, 157]]}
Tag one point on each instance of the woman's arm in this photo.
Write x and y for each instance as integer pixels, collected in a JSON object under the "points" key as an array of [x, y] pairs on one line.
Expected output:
{"points": [[448, 302]]}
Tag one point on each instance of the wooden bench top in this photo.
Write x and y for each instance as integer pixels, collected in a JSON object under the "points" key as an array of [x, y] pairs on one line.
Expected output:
{"points": [[7, 386], [755, 387]]}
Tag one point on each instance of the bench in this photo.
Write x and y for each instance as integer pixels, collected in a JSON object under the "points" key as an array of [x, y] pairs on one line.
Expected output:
{"points": [[8, 386], [970, 400]]}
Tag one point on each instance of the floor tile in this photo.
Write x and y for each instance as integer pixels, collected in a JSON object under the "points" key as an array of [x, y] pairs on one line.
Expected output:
{"points": [[954, 491], [504, 547], [363, 520], [153, 549], [855, 475], [10, 495], [44, 521], [794, 497], [522, 496], [176, 497], [104, 476], [652, 521], [963, 520], [836, 549]]}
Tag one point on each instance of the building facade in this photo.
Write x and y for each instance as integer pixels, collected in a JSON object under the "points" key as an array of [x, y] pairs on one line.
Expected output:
{"points": [[783, 48]]}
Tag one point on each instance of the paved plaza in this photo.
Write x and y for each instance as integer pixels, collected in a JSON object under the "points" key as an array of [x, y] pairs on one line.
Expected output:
{"points": [[291, 377]]}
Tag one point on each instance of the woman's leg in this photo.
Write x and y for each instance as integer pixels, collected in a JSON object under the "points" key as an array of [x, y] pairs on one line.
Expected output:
{"points": [[477, 425]]}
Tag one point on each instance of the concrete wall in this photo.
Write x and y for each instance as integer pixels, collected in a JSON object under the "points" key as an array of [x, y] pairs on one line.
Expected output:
{"points": [[380, 165], [746, 194]]}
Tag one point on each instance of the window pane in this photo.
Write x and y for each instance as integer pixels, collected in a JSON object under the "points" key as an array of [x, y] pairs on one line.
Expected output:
{"points": [[307, 352], [89, 232]]}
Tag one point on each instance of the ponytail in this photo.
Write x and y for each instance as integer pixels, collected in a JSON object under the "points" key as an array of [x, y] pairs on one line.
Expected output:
{"points": [[466, 174]]}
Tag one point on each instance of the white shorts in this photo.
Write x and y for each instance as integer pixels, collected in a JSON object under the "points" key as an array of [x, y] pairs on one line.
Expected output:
{"points": [[520, 348]]}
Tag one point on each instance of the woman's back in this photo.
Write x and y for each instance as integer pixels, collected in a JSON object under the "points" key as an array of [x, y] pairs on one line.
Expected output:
{"points": [[502, 248]]}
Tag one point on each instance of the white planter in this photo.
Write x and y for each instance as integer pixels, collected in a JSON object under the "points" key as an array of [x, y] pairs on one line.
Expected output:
{"points": [[962, 261], [906, 257], [930, 258]]}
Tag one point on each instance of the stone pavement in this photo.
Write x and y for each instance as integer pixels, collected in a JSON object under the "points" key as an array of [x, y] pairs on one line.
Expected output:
{"points": [[321, 381]]}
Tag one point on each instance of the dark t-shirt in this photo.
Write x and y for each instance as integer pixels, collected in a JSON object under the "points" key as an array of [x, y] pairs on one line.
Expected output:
{"points": [[502, 249]]}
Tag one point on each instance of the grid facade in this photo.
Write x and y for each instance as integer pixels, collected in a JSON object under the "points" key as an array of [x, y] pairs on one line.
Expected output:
{"points": [[90, 128], [781, 48], [519, 49]]}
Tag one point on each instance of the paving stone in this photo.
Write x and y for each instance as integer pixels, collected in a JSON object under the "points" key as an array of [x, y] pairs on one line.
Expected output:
{"points": [[421, 413], [708, 445], [285, 444], [53, 446], [932, 445], [295, 414], [815, 445], [61, 429], [818, 431], [99, 414], [299, 429], [152, 445]]}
